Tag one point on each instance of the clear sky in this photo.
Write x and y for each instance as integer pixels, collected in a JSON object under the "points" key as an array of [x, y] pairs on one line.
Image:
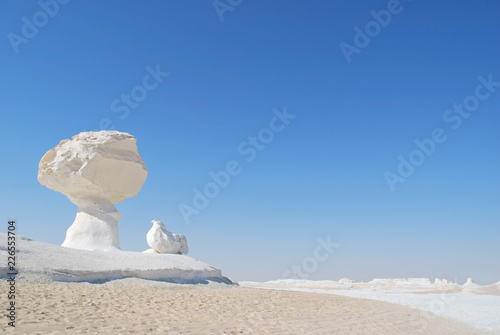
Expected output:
{"points": [[355, 84]]}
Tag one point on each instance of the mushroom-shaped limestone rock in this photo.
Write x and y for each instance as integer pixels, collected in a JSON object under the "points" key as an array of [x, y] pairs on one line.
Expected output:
{"points": [[94, 170], [163, 241]]}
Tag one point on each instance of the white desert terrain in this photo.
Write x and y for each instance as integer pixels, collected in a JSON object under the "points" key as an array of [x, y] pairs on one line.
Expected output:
{"points": [[61, 290], [90, 286]]}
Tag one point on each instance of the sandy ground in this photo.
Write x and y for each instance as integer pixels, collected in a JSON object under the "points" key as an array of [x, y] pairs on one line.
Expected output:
{"points": [[134, 306]]}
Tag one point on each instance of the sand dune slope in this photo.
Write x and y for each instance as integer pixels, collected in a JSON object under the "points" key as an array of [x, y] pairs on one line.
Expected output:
{"points": [[135, 306]]}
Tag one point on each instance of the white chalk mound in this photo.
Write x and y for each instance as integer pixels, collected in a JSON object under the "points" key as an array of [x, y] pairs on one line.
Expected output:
{"points": [[44, 261], [162, 241], [94, 170]]}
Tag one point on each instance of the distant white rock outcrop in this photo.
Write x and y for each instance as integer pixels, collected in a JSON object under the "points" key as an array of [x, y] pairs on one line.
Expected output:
{"points": [[468, 303], [94, 170], [470, 285], [162, 241]]}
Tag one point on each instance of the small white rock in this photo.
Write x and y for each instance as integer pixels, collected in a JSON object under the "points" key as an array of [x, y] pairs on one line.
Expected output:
{"points": [[163, 241]]}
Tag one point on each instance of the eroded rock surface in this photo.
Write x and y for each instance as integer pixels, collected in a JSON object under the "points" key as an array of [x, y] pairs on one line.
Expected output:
{"points": [[162, 241], [94, 170]]}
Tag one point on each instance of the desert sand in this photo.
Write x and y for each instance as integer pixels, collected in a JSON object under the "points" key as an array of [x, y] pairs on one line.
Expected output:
{"points": [[137, 306]]}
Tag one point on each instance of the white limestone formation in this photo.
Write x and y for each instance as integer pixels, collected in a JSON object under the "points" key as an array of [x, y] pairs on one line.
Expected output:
{"points": [[94, 170], [162, 241]]}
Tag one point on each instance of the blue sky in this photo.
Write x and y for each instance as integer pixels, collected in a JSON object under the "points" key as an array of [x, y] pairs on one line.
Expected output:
{"points": [[322, 177]]}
